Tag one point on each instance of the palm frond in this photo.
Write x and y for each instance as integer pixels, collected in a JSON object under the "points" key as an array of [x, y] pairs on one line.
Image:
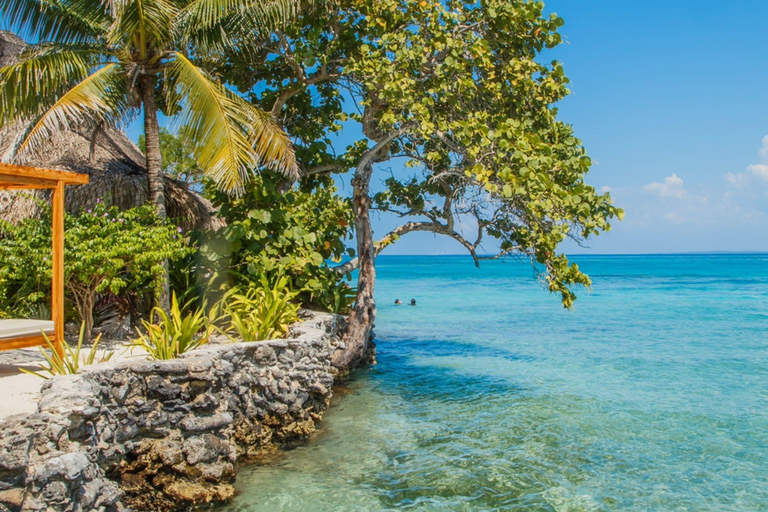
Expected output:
{"points": [[100, 96], [144, 24], [232, 136], [45, 72], [213, 25], [56, 20]]}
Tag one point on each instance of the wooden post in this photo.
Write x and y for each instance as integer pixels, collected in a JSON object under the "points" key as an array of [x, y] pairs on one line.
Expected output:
{"points": [[57, 257]]}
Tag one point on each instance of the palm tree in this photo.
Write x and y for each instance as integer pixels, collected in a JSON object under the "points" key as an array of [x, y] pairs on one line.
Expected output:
{"points": [[99, 62], [102, 60]]}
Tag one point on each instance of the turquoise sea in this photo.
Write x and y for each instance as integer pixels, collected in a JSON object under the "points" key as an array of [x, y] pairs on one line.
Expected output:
{"points": [[652, 395]]}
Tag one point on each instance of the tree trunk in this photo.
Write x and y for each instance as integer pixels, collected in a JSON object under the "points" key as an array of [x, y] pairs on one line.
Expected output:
{"points": [[154, 166], [360, 321], [84, 301], [87, 315]]}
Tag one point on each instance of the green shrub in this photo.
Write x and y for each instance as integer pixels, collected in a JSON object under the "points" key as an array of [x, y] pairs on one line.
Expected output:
{"points": [[338, 298], [175, 333], [293, 234], [105, 250], [260, 313], [72, 359]]}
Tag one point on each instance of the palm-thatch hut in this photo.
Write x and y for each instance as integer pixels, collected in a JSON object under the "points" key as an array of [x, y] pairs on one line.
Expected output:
{"points": [[115, 165]]}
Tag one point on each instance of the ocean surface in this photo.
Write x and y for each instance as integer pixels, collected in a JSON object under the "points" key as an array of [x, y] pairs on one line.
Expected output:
{"points": [[651, 395]]}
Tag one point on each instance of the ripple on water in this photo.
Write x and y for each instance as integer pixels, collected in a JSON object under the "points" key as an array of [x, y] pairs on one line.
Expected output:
{"points": [[652, 395]]}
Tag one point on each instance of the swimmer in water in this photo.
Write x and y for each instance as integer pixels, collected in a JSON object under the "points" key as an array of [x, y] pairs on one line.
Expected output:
{"points": [[413, 302], [397, 302]]}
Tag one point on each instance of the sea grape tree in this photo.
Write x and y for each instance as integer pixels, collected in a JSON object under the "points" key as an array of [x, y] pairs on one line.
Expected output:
{"points": [[460, 93], [458, 89]]}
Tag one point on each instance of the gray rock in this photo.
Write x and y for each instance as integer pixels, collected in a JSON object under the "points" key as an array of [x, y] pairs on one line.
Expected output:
{"points": [[204, 423], [68, 466]]}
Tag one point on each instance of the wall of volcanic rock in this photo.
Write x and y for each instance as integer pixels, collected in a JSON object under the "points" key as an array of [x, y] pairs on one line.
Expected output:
{"points": [[165, 435]]}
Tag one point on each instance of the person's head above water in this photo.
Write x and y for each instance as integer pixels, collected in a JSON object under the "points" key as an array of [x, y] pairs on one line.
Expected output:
{"points": [[413, 302], [397, 301]]}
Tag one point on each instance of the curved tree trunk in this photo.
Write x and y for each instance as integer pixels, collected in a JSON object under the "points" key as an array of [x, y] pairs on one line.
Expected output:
{"points": [[154, 166], [360, 321]]}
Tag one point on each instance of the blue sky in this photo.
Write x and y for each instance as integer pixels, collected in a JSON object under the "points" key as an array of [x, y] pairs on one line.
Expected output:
{"points": [[671, 101]]}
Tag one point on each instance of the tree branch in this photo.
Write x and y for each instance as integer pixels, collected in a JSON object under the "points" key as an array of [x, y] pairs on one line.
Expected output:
{"points": [[388, 240], [371, 154], [320, 169], [299, 86]]}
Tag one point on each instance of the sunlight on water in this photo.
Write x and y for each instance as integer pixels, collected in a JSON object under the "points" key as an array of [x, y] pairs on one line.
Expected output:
{"points": [[651, 395]]}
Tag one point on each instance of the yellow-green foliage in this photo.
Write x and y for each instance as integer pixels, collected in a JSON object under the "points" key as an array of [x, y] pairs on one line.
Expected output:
{"points": [[175, 333], [260, 313], [72, 360]]}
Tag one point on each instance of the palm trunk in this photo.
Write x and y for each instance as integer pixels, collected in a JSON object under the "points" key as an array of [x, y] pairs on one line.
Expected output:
{"points": [[154, 166], [360, 321]]}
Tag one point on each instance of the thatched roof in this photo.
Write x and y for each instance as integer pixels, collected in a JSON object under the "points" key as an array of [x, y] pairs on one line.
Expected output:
{"points": [[114, 163], [11, 46]]}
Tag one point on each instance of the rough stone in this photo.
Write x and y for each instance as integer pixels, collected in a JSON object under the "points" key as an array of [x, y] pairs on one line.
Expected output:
{"points": [[69, 466]]}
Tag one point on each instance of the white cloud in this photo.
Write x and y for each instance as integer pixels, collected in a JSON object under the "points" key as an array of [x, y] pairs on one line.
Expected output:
{"points": [[759, 170], [763, 151], [754, 171], [672, 187], [736, 180], [605, 189]]}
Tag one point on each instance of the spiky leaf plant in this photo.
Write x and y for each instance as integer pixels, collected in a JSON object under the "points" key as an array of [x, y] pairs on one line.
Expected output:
{"points": [[71, 359]]}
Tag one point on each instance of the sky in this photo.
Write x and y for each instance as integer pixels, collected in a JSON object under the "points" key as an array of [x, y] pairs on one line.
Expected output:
{"points": [[671, 102]]}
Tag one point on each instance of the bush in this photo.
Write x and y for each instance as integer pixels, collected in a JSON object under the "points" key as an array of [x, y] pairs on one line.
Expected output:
{"points": [[105, 250], [292, 235], [175, 333]]}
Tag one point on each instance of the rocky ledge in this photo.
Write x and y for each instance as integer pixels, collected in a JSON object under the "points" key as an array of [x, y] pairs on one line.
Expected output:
{"points": [[166, 435]]}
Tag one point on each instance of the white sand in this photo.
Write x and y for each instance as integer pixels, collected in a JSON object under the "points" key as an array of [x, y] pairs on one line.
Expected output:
{"points": [[20, 392]]}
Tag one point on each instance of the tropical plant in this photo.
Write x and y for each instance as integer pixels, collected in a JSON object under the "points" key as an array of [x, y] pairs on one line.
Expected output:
{"points": [[107, 250], [293, 234], [70, 360], [175, 333], [338, 298], [260, 312]]}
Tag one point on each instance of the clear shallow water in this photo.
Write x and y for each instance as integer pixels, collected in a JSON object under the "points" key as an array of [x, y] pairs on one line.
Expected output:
{"points": [[651, 395]]}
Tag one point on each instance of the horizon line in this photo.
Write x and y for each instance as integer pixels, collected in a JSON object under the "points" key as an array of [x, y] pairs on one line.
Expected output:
{"points": [[687, 253]]}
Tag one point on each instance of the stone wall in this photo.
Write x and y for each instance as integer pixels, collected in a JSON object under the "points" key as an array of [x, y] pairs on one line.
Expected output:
{"points": [[166, 435]]}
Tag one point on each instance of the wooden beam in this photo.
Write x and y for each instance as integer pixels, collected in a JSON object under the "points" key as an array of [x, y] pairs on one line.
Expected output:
{"points": [[26, 180], [57, 257], [34, 340], [11, 172], [9, 186]]}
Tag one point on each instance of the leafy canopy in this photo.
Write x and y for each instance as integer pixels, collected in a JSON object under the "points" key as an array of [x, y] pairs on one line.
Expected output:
{"points": [[461, 90]]}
